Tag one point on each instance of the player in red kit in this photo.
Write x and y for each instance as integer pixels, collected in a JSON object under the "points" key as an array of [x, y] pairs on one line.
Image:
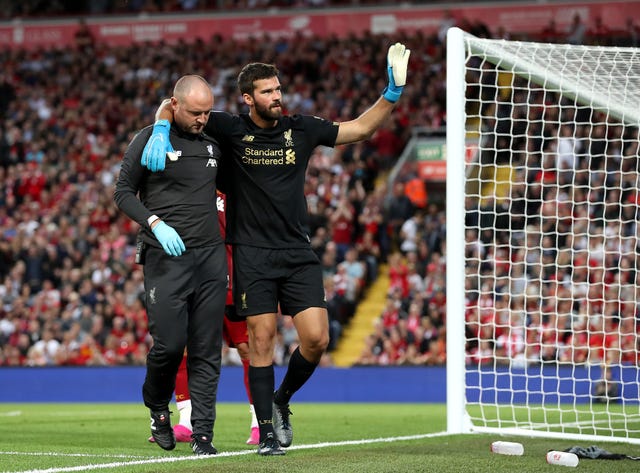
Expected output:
{"points": [[235, 335]]}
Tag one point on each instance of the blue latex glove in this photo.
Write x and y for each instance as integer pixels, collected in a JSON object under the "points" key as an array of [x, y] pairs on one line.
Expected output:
{"points": [[169, 239], [157, 147], [397, 62]]}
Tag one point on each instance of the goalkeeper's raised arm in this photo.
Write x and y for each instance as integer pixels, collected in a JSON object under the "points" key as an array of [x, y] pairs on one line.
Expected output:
{"points": [[366, 124]]}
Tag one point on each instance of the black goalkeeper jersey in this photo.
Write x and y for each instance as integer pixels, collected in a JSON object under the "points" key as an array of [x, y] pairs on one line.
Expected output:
{"points": [[264, 180]]}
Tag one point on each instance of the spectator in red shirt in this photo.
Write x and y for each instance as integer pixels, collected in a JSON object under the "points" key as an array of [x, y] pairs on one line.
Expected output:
{"points": [[398, 274], [342, 224]]}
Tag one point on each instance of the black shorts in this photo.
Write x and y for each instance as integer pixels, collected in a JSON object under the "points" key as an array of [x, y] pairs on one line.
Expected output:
{"points": [[264, 278]]}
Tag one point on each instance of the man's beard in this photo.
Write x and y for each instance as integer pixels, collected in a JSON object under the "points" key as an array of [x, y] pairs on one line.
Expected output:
{"points": [[269, 114]]}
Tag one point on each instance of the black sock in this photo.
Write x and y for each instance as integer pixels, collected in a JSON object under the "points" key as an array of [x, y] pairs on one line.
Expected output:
{"points": [[298, 372], [261, 384]]}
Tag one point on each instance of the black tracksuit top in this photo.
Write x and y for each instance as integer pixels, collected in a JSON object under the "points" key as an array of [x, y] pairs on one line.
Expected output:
{"points": [[183, 195]]}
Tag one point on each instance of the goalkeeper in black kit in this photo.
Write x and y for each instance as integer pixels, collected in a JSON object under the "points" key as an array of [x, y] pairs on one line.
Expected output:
{"points": [[263, 176]]}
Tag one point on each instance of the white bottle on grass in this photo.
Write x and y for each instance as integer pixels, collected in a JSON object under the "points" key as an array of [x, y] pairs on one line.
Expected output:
{"points": [[507, 448], [555, 457]]}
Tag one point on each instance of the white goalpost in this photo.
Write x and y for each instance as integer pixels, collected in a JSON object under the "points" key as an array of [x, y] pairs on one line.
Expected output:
{"points": [[543, 239]]}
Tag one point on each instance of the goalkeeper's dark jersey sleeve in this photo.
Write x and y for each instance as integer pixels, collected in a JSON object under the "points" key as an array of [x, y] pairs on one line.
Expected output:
{"points": [[264, 174]]}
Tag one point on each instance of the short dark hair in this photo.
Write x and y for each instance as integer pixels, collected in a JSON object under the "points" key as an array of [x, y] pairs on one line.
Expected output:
{"points": [[252, 72]]}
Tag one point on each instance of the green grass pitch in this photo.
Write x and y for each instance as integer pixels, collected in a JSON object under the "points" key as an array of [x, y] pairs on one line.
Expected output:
{"points": [[351, 438]]}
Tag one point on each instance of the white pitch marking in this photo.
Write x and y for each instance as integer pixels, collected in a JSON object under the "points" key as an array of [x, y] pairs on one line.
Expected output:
{"points": [[104, 466], [87, 455]]}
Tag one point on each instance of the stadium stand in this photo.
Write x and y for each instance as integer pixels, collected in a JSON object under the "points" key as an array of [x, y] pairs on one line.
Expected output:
{"points": [[48, 8], [587, 289], [70, 292]]}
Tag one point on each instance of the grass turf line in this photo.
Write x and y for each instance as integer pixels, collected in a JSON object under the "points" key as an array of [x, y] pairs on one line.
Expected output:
{"points": [[371, 438]]}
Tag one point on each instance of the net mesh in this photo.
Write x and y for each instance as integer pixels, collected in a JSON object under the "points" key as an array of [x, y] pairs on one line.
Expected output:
{"points": [[551, 235]]}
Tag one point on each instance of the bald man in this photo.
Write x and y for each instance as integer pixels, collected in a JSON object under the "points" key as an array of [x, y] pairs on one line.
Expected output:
{"points": [[185, 264]]}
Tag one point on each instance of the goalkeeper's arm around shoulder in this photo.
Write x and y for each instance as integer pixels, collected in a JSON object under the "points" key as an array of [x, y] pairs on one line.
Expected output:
{"points": [[159, 146]]}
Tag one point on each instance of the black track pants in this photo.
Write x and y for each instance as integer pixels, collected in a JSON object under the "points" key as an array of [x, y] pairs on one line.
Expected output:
{"points": [[185, 298]]}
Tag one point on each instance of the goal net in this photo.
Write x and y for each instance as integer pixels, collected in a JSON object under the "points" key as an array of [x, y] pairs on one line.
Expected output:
{"points": [[543, 263]]}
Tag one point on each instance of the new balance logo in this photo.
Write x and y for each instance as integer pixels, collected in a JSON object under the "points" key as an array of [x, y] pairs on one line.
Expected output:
{"points": [[248, 138]]}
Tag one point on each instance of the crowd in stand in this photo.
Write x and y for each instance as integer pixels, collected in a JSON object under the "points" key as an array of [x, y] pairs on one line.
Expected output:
{"points": [[49, 8], [70, 293], [552, 266]]}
